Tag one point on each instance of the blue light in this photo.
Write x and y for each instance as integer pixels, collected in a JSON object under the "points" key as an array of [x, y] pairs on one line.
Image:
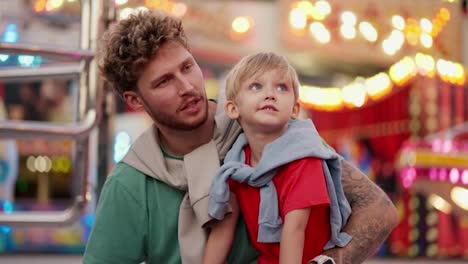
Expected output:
{"points": [[26, 60], [29, 60], [121, 145], [4, 57], [7, 207], [5, 229], [10, 35], [88, 220]]}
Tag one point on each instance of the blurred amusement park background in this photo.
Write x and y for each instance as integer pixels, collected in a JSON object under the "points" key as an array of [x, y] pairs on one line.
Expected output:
{"points": [[384, 82]]}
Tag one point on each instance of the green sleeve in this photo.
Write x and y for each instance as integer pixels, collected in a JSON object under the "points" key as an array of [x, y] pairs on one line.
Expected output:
{"points": [[119, 231]]}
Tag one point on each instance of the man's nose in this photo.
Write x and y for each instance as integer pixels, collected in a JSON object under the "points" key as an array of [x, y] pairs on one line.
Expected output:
{"points": [[184, 85]]}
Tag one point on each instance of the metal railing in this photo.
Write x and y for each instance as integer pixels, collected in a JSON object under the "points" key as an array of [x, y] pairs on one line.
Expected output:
{"points": [[78, 63], [52, 53]]}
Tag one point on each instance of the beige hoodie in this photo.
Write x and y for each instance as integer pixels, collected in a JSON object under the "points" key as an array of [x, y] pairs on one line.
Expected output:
{"points": [[194, 175]]}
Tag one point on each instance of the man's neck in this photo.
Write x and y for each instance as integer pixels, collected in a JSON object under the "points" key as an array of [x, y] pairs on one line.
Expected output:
{"points": [[258, 141], [179, 142]]}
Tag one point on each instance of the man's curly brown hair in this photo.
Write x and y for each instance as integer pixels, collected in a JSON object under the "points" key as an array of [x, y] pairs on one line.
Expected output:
{"points": [[127, 48]]}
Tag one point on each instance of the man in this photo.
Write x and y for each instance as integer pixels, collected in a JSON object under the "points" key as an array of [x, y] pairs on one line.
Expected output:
{"points": [[154, 204]]}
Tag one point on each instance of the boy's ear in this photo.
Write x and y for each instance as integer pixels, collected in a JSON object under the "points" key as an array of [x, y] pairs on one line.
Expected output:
{"points": [[231, 110], [132, 99], [295, 110]]}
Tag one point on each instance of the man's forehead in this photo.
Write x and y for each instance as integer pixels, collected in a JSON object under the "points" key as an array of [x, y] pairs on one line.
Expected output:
{"points": [[170, 56], [173, 50]]}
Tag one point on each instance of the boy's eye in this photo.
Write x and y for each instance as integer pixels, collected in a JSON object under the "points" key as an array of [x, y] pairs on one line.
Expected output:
{"points": [[282, 88], [255, 87]]}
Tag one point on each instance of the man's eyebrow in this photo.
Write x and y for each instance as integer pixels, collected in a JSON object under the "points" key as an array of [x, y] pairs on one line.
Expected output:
{"points": [[188, 60]]}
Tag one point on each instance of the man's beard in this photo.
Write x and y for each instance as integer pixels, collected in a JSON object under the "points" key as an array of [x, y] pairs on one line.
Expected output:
{"points": [[171, 122]]}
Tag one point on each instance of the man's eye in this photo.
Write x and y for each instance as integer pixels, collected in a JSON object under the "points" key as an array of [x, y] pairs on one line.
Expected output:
{"points": [[187, 67], [163, 82], [255, 87], [282, 88]]}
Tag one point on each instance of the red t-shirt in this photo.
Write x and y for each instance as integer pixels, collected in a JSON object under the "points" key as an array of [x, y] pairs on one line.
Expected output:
{"points": [[299, 184]]}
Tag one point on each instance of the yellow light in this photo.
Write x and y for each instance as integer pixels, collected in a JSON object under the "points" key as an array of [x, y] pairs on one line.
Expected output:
{"points": [[426, 40], [321, 98], [53, 4], [354, 94], [125, 13], [425, 64], [88, 196], [39, 5], [444, 14], [398, 22], [319, 32], [397, 38], [459, 74], [348, 18], [241, 24], [459, 196], [368, 31], [156, 4], [388, 47], [441, 66], [323, 7], [120, 2], [30, 163], [317, 15], [298, 18], [378, 86], [401, 71], [40, 164], [439, 203], [141, 9], [426, 25], [412, 38], [393, 43], [459, 71], [179, 9], [305, 5], [348, 32]]}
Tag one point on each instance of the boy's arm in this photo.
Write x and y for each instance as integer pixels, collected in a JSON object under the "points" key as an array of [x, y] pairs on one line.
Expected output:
{"points": [[293, 236], [221, 236], [373, 217]]}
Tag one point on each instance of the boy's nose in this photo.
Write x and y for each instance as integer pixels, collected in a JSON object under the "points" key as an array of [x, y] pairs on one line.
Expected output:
{"points": [[270, 93]]}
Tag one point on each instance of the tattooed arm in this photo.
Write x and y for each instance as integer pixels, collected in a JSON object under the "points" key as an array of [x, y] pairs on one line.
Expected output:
{"points": [[373, 217]]}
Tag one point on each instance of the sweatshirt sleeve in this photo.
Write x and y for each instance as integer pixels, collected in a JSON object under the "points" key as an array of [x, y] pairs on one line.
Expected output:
{"points": [[118, 234]]}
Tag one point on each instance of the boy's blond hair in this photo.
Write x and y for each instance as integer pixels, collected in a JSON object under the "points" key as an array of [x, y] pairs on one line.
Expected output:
{"points": [[256, 64]]}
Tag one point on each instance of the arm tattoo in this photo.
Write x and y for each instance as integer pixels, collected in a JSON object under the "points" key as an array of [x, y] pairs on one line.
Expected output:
{"points": [[372, 219]]}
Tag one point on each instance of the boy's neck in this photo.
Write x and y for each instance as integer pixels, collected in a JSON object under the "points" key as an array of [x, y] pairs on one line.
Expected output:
{"points": [[257, 142]]}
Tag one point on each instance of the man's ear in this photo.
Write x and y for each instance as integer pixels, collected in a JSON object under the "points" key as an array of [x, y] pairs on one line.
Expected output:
{"points": [[295, 110], [132, 99], [231, 110]]}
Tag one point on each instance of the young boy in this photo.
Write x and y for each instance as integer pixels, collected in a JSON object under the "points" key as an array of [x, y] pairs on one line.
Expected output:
{"points": [[276, 174]]}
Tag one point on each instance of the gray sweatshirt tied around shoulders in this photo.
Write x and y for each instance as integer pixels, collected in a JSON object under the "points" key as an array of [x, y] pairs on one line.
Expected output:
{"points": [[300, 140]]}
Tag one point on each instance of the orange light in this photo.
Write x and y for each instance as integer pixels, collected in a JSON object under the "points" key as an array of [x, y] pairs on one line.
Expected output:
{"points": [[39, 5], [444, 14]]}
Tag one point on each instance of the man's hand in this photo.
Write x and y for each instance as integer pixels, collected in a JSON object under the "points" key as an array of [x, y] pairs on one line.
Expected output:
{"points": [[373, 217]]}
